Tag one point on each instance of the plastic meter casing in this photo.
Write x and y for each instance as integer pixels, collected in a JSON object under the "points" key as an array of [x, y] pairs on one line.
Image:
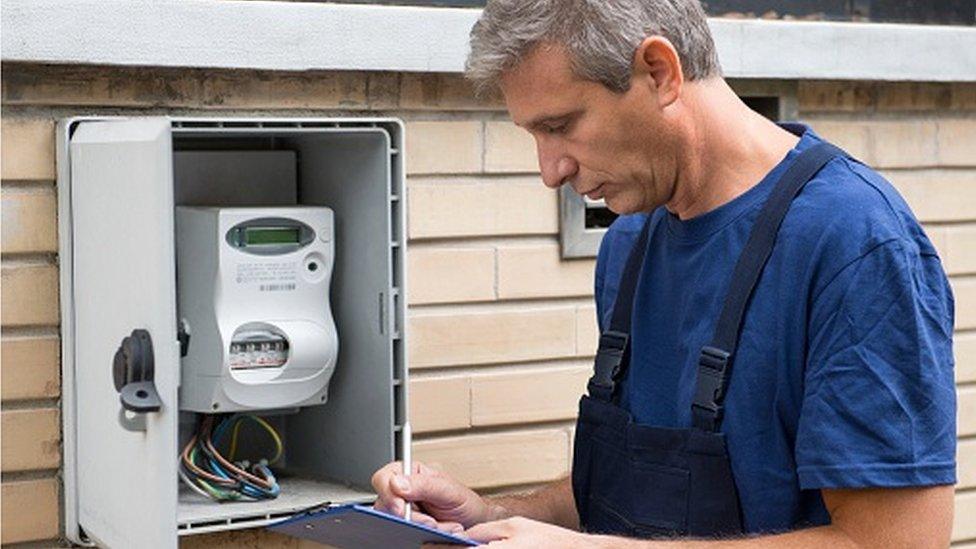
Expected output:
{"points": [[253, 293]]}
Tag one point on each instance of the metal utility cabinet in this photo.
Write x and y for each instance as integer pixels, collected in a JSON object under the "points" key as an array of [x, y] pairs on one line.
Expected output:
{"points": [[119, 182]]}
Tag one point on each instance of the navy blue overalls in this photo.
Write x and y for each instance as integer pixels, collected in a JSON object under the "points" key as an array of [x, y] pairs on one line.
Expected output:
{"points": [[643, 481]]}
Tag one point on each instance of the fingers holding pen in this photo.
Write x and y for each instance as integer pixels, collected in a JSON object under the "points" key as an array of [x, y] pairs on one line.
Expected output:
{"points": [[431, 491], [388, 497], [393, 488]]}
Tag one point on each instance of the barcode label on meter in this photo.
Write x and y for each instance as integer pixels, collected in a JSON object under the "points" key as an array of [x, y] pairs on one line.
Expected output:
{"points": [[277, 287]]}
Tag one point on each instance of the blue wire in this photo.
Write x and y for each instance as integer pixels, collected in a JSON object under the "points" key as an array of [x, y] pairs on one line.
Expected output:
{"points": [[244, 487], [251, 492], [219, 431], [266, 492], [215, 466]]}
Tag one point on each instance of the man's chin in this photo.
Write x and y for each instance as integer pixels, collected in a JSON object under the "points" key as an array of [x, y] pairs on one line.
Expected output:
{"points": [[619, 207]]}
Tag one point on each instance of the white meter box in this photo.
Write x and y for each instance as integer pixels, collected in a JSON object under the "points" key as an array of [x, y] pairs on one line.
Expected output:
{"points": [[314, 340], [253, 293]]}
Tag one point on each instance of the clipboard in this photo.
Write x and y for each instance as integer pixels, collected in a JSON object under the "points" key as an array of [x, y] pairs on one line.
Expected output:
{"points": [[362, 527]]}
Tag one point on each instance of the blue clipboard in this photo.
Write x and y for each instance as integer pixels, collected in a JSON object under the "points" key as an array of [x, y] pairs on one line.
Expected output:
{"points": [[362, 527]]}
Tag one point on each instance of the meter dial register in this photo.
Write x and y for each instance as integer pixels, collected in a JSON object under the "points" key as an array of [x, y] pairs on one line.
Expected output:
{"points": [[254, 298]]}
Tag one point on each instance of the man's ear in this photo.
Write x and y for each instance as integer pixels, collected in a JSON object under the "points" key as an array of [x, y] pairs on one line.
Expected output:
{"points": [[657, 65]]}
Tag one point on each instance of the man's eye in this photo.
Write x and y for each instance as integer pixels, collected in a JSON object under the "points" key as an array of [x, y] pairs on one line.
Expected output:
{"points": [[555, 128]]}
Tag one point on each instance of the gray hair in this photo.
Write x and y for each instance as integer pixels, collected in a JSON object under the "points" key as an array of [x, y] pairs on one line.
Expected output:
{"points": [[601, 37]]}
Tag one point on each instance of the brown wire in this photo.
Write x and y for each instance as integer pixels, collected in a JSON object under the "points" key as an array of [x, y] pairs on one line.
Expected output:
{"points": [[193, 466], [233, 468]]}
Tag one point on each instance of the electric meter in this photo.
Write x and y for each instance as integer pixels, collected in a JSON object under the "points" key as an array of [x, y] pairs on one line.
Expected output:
{"points": [[253, 292]]}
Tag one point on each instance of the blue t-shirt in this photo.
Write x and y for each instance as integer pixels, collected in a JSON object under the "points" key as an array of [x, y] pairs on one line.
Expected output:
{"points": [[843, 377]]}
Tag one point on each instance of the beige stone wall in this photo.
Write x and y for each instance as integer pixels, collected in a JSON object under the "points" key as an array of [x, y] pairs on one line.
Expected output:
{"points": [[502, 330]]}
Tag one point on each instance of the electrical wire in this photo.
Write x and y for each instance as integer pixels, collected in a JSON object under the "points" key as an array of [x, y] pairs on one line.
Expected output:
{"points": [[191, 484], [279, 447], [205, 470]]}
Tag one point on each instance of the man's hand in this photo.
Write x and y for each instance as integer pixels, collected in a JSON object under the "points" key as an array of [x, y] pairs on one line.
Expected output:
{"points": [[448, 505], [444, 503], [521, 532]]}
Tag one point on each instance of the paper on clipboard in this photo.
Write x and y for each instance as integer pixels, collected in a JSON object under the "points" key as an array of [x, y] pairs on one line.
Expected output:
{"points": [[362, 527]]}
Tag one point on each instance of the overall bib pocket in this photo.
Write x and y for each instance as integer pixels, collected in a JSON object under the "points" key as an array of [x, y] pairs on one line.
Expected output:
{"points": [[650, 499]]}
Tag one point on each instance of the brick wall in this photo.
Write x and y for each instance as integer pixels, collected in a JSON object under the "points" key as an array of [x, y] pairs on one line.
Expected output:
{"points": [[502, 330]]}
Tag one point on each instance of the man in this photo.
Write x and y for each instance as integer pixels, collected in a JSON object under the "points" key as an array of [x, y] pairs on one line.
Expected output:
{"points": [[774, 371]]}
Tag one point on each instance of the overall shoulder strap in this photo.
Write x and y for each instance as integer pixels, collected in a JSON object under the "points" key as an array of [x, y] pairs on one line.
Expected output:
{"points": [[715, 361], [612, 354]]}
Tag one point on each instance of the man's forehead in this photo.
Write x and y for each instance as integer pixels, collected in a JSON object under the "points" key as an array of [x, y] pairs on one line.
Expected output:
{"points": [[542, 64], [541, 85]]}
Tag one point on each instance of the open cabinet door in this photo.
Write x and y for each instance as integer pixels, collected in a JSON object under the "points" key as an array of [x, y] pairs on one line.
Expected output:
{"points": [[122, 278]]}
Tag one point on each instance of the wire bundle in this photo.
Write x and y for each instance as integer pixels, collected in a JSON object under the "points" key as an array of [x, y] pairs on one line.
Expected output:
{"points": [[207, 472]]}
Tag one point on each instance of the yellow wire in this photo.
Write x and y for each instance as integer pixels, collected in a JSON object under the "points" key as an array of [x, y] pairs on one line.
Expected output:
{"points": [[279, 447], [233, 440]]}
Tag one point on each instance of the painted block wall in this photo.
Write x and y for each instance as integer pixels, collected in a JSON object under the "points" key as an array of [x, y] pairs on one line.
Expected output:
{"points": [[502, 329]]}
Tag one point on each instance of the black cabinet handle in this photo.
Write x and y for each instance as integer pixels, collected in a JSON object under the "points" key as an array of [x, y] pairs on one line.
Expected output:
{"points": [[132, 372]]}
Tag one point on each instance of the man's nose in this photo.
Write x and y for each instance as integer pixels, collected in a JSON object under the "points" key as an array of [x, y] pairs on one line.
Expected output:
{"points": [[556, 166]]}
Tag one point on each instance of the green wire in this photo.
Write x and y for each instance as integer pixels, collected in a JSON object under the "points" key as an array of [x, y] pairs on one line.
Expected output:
{"points": [[217, 493], [214, 489]]}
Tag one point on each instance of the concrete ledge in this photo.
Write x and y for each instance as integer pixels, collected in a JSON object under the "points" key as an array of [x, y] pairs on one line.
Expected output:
{"points": [[845, 51], [296, 36]]}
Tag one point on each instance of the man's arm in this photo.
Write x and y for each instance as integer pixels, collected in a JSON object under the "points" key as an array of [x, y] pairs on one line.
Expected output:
{"points": [[862, 518], [877, 517], [552, 503]]}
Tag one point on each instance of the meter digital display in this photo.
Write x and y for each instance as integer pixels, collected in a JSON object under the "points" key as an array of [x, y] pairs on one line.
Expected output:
{"points": [[257, 236], [270, 235]]}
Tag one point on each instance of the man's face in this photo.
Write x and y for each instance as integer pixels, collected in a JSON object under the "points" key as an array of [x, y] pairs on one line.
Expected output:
{"points": [[618, 147]]}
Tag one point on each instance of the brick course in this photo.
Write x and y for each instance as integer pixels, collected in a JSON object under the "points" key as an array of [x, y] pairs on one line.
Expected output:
{"points": [[492, 337], [444, 147], [509, 149], [31, 439], [538, 271], [466, 207], [450, 274], [29, 510], [520, 457], [29, 220], [30, 295], [31, 368], [27, 149]]}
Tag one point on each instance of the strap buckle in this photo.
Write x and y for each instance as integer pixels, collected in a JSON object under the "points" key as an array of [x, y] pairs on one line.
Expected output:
{"points": [[710, 387], [609, 359]]}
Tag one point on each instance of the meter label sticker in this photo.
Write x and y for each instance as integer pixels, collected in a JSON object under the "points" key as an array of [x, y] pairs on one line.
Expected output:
{"points": [[270, 276], [277, 287]]}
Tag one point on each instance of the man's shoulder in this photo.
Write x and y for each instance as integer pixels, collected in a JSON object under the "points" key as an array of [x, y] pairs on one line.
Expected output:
{"points": [[849, 208], [848, 189]]}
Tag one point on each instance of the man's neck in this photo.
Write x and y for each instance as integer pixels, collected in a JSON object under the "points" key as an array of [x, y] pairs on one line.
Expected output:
{"points": [[729, 150]]}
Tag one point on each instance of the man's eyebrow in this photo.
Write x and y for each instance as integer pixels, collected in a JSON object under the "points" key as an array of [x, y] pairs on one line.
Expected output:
{"points": [[540, 121]]}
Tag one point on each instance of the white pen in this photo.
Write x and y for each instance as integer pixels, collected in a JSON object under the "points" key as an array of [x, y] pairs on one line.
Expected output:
{"points": [[405, 435]]}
